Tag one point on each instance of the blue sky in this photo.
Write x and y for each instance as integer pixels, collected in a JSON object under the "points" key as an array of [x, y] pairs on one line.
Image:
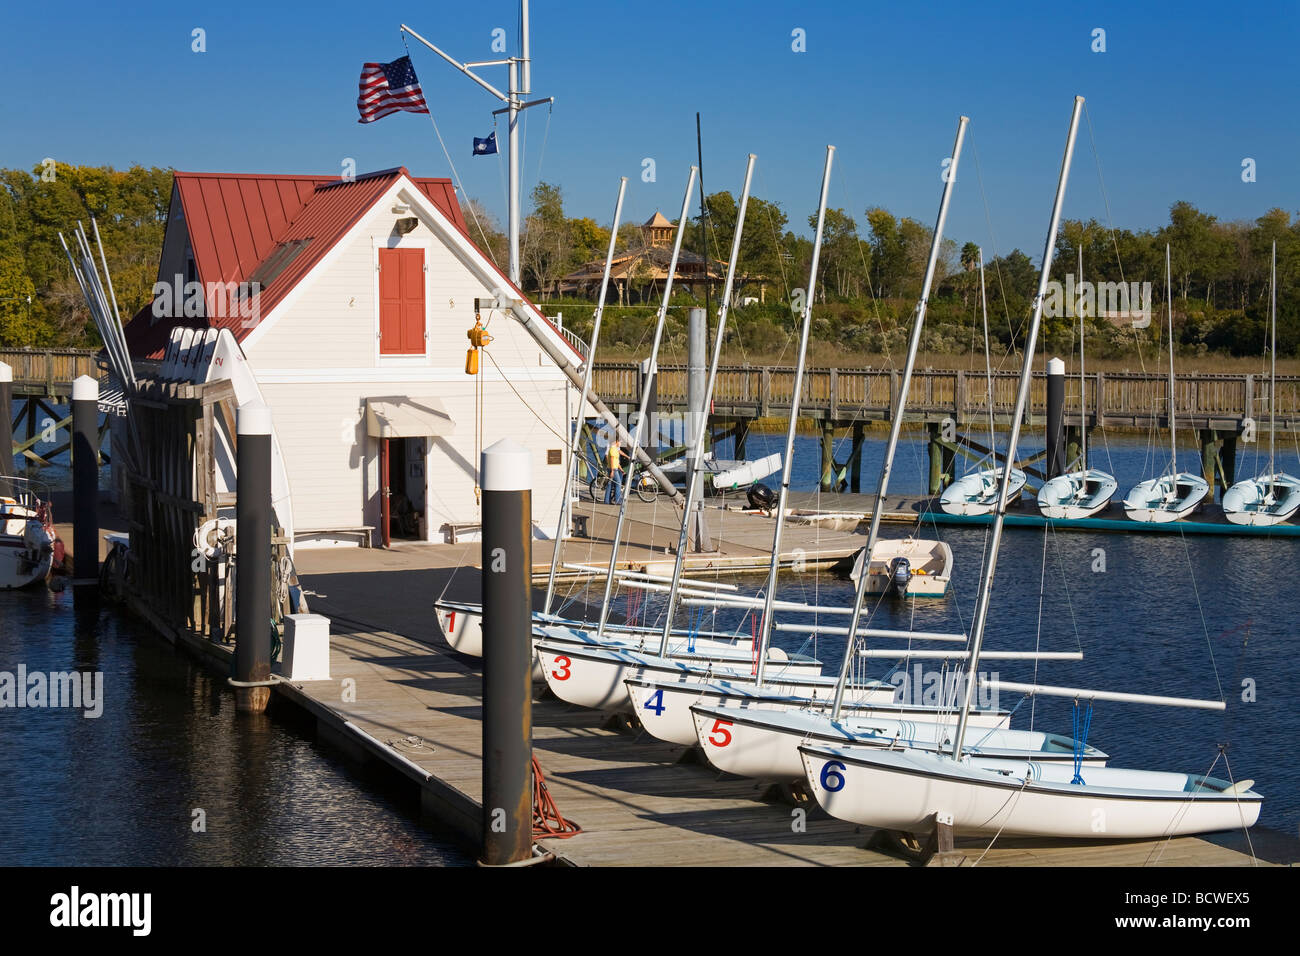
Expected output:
{"points": [[1183, 93]]}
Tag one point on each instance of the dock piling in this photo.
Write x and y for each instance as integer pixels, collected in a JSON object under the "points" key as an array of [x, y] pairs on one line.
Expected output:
{"points": [[507, 654], [1055, 461], [253, 558], [85, 480], [6, 423]]}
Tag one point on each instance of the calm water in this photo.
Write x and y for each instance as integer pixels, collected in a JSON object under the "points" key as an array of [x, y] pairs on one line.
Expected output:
{"points": [[122, 788]]}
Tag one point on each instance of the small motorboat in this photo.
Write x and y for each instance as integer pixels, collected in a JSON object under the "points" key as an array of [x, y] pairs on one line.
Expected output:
{"points": [[906, 567], [27, 535]]}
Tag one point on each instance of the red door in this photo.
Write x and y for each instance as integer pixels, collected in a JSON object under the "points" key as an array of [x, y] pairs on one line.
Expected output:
{"points": [[401, 301]]}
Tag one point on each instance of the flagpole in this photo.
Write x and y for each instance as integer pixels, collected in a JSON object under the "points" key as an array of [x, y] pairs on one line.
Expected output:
{"points": [[513, 98]]}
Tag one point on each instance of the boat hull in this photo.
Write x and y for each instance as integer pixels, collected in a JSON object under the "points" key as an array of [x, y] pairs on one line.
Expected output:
{"points": [[1262, 502], [1165, 499], [977, 493], [1079, 494], [903, 790], [765, 745]]}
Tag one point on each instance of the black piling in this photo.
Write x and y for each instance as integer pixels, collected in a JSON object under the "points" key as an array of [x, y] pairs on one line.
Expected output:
{"points": [[1054, 464], [506, 478], [6, 424], [253, 559], [85, 481]]}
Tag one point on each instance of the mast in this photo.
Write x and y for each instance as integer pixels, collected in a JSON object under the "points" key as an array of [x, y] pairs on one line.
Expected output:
{"points": [[519, 84], [1022, 395], [896, 426], [701, 427], [576, 446], [1272, 375], [988, 361], [1169, 302], [1083, 379], [645, 400], [765, 634]]}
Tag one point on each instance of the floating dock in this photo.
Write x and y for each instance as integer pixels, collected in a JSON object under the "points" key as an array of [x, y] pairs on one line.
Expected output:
{"points": [[923, 509]]}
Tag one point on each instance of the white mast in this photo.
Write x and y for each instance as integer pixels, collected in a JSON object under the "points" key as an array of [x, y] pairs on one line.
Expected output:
{"points": [[518, 85], [1169, 301], [1022, 394], [701, 426], [1083, 379], [576, 446], [769, 598], [896, 426], [1272, 375], [645, 399]]}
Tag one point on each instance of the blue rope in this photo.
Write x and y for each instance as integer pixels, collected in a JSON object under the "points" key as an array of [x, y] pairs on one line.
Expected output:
{"points": [[1080, 740], [696, 622]]}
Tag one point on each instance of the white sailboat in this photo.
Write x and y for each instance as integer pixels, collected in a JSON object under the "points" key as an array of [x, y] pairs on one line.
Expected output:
{"points": [[910, 789], [1083, 492], [1174, 494], [1272, 497], [592, 676], [975, 493], [665, 707]]}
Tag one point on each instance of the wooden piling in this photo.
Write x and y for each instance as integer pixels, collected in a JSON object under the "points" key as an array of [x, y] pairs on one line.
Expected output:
{"points": [[85, 481]]}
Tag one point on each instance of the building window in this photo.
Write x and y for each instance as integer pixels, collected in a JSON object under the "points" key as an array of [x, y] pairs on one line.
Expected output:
{"points": [[401, 301]]}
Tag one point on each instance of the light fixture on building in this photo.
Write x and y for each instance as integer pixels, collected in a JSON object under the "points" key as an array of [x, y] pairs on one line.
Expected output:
{"points": [[406, 224]]}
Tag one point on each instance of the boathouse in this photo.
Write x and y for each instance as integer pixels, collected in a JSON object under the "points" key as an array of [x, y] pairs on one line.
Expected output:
{"points": [[351, 299]]}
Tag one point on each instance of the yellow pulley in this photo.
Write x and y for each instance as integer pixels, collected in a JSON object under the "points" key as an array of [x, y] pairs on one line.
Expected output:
{"points": [[478, 338]]}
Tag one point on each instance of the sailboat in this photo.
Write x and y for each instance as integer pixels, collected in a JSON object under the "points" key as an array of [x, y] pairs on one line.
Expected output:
{"points": [[975, 492], [911, 789], [771, 719], [1083, 492], [592, 676], [1174, 494], [461, 622], [1272, 497]]}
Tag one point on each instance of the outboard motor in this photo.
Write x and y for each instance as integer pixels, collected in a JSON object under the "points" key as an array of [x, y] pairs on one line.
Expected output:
{"points": [[762, 497], [900, 575]]}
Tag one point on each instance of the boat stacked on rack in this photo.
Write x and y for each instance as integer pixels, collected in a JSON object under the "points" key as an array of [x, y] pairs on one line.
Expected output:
{"points": [[1174, 494], [1273, 496], [1082, 491]]}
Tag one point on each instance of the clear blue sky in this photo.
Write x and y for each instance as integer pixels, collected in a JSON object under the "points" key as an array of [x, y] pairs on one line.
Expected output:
{"points": [[1183, 92]]}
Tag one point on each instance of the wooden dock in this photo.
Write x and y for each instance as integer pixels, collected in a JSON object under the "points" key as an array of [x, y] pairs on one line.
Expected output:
{"points": [[416, 706]]}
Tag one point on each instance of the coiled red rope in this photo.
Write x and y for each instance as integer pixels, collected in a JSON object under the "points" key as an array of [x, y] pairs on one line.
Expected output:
{"points": [[548, 822]]}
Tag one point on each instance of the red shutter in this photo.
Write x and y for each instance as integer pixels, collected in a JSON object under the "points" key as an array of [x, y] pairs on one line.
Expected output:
{"points": [[401, 301]]}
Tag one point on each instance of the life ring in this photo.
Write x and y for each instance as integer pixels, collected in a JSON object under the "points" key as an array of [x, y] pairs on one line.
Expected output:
{"points": [[209, 535]]}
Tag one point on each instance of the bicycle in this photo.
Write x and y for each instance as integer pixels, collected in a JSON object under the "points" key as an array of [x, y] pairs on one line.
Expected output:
{"points": [[646, 488]]}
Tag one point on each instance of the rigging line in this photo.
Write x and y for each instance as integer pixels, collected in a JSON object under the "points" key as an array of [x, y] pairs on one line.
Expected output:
{"points": [[1182, 534], [1159, 848], [1038, 635], [1014, 796], [997, 268], [460, 186]]}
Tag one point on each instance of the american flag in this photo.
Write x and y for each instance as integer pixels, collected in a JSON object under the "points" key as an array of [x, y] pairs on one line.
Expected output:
{"points": [[387, 88]]}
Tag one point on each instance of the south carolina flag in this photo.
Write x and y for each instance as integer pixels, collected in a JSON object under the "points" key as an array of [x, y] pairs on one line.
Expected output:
{"points": [[482, 147]]}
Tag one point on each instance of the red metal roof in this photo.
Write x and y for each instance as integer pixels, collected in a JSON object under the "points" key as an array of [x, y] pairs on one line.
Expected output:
{"points": [[237, 221]]}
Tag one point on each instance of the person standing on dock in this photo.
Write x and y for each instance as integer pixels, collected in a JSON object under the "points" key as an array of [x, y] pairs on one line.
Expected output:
{"points": [[616, 457]]}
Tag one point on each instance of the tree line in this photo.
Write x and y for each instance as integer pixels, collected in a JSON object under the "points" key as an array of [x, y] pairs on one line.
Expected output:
{"points": [[869, 276]]}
